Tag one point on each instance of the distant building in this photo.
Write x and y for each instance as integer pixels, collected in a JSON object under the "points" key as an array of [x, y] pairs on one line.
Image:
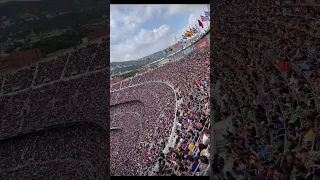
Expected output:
{"points": [[116, 80]]}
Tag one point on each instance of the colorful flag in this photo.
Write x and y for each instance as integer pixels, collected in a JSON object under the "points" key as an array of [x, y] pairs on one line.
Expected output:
{"points": [[190, 33], [200, 23], [152, 57], [203, 18], [194, 30], [172, 47], [184, 37], [207, 14]]}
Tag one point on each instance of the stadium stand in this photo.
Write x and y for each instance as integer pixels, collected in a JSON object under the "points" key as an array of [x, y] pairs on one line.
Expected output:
{"points": [[266, 58], [164, 117], [54, 117]]}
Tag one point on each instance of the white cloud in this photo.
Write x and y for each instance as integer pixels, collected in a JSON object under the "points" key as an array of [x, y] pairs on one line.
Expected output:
{"points": [[130, 39], [183, 8], [147, 37]]}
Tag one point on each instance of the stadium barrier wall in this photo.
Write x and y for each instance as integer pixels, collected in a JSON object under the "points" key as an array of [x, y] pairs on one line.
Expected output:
{"points": [[201, 45]]}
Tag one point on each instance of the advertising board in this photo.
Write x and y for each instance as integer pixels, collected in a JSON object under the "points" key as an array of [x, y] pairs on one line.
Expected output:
{"points": [[202, 44], [189, 50]]}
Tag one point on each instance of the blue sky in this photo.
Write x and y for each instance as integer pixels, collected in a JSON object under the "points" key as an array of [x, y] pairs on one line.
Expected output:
{"points": [[140, 30]]}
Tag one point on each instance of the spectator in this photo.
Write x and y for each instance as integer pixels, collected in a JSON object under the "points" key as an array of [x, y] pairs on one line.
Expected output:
{"points": [[203, 165]]}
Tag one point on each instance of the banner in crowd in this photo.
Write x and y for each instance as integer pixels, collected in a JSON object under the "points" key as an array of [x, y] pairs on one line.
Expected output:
{"points": [[202, 44], [189, 50]]}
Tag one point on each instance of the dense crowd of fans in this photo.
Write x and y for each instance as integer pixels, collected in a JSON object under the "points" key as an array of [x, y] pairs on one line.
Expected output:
{"points": [[157, 137], [54, 118], [266, 63], [59, 153]]}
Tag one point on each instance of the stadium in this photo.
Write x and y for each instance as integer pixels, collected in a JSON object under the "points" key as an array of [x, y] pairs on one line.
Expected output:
{"points": [[163, 116], [54, 118], [267, 92]]}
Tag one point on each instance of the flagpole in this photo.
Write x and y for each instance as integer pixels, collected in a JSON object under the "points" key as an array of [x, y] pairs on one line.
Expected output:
{"points": [[203, 29], [205, 17], [198, 29], [208, 7]]}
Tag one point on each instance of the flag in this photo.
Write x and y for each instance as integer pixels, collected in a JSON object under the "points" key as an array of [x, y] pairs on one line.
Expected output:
{"points": [[189, 33], [203, 18], [191, 30], [194, 30], [200, 23], [207, 14], [152, 57], [184, 37], [172, 47]]}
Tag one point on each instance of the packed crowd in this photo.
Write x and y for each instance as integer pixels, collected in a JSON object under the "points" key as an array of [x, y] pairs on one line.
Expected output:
{"points": [[157, 137], [142, 113], [55, 154], [267, 67], [53, 117]]}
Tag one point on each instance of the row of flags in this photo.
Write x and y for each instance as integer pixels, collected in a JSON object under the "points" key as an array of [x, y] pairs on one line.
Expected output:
{"points": [[190, 33], [195, 30]]}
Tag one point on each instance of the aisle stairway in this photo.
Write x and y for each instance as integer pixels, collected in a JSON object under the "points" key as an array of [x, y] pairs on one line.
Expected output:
{"points": [[219, 130]]}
